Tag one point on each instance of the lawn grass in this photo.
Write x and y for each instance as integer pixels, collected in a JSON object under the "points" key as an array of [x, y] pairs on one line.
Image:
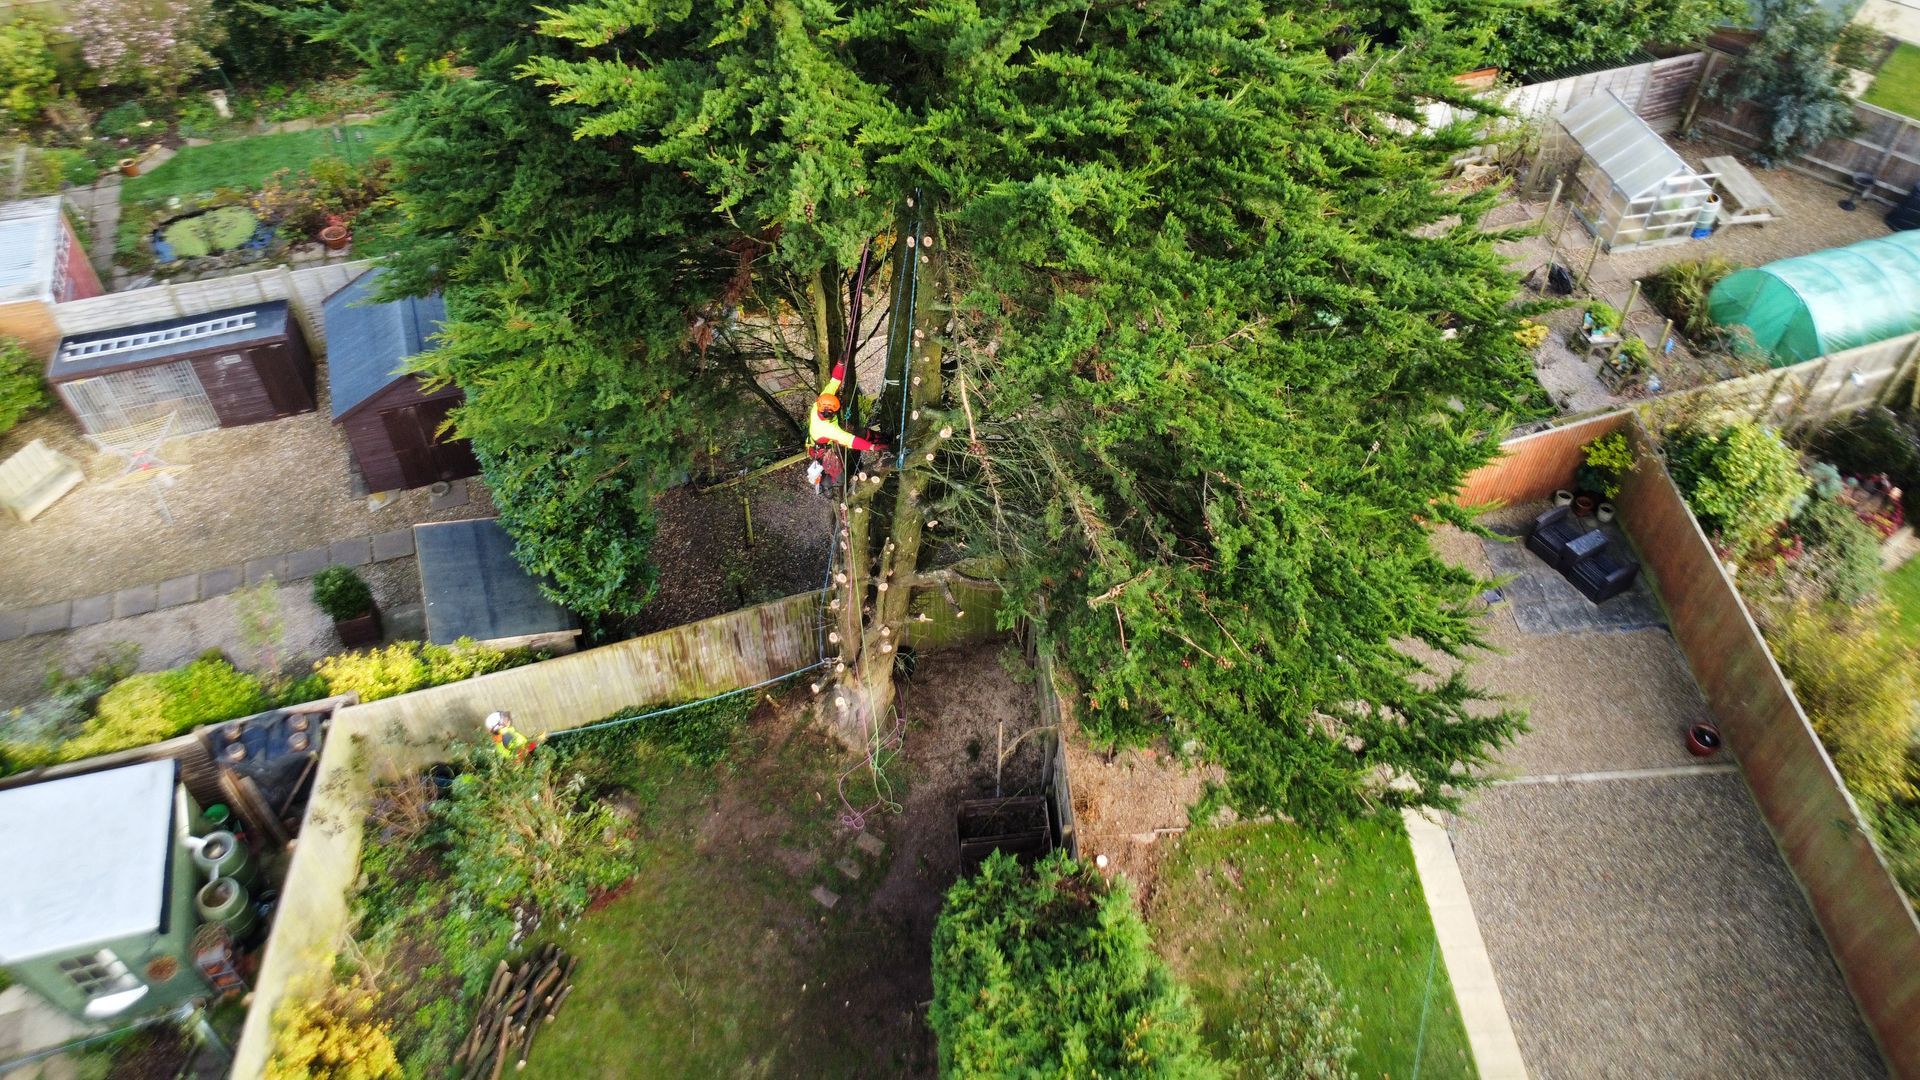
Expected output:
{"points": [[1897, 85], [244, 164], [1232, 899], [1902, 590], [715, 961]]}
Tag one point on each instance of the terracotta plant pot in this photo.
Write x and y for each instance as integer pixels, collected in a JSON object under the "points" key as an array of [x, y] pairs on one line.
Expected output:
{"points": [[1584, 504], [359, 630], [1703, 740], [335, 237], [129, 166]]}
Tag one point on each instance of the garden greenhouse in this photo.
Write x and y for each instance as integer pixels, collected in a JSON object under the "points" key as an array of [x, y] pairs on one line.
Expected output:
{"points": [[1827, 302], [1630, 189]]}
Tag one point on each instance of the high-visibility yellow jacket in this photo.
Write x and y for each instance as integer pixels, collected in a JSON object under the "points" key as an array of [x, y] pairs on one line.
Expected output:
{"points": [[510, 744], [825, 430]]}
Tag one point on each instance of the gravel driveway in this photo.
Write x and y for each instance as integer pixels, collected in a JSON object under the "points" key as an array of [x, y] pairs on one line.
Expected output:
{"points": [[1640, 925]]}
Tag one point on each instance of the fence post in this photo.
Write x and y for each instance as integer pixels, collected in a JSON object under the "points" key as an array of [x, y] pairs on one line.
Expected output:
{"points": [[1699, 89], [1902, 369], [1633, 295]]}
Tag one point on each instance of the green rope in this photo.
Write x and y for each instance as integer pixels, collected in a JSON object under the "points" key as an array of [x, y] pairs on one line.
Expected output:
{"points": [[1426, 999]]}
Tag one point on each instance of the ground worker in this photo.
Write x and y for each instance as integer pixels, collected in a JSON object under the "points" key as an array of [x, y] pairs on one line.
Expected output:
{"points": [[507, 742], [824, 432]]}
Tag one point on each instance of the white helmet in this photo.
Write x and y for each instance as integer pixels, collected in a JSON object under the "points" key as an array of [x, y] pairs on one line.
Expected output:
{"points": [[498, 720]]}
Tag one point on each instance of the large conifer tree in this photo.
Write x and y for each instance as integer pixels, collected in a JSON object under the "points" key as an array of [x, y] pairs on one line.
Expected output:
{"points": [[1219, 348]]}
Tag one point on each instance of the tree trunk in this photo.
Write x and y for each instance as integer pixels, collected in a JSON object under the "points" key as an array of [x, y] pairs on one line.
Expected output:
{"points": [[881, 559]]}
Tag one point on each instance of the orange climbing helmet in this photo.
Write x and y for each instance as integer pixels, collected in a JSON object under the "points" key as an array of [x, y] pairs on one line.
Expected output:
{"points": [[826, 405]]}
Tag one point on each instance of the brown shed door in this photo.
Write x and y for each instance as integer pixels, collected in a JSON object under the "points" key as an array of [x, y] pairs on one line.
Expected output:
{"points": [[423, 457], [239, 395]]}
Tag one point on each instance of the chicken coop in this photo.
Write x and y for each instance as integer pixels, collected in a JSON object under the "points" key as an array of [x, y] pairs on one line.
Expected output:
{"points": [[1630, 188], [221, 369]]}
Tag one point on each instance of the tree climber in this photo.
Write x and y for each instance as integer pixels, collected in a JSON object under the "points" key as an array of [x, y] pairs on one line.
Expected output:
{"points": [[507, 742], [824, 432]]}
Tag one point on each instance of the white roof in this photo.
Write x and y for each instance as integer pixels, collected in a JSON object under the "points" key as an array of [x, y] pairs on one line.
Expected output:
{"points": [[1626, 148], [84, 859], [30, 238]]}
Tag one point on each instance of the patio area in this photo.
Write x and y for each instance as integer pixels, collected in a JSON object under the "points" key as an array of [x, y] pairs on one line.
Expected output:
{"points": [[1637, 913]]}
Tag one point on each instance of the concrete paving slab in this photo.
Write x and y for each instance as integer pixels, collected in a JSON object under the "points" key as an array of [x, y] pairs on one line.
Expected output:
{"points": [[455, 497], [870, 843], [176, 591], [13, 624], [93, 609], [848, 868], [259, 570], [220, 582], [306, 563], [355, 552], [825, 896], [135, 601], [392, 545], [48, 617]]}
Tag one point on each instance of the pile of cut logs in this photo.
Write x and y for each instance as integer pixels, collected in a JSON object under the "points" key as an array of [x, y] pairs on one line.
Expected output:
{"points": [[518, 1001]]}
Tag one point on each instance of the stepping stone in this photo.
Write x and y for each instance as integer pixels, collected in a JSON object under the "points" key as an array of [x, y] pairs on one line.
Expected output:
{"points": [[392, 545], [13, 624], [94, 609], [135, 601], [305, 564], [176, 591], [848, 867], [826, 896], [351, 552], [870, 843], [455, 497], [220, 582], [48, 617]]}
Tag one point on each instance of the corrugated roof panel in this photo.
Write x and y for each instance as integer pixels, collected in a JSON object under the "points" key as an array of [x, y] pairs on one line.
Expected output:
{"points": [[1633, 155], [29, 248], [86, 859]]}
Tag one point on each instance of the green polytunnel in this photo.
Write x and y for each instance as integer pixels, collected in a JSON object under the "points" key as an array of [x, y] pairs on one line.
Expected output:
{"points": [[1827, 302]]}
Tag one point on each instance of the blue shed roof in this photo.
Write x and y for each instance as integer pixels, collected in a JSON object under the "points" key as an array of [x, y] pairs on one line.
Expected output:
{"points": [[368, 343]]}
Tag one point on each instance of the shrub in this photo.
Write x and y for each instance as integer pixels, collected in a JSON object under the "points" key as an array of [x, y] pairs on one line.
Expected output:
{"points": [[1602, 317], [21, 390], [1679, 291], [1871, 440], [153, 43], [124, 121], [340, 593], [1855, 679], [28, 72], [1300, 1029], [1842, 557], [1794, 72], [1604, 461], [336, 1036], [1049, 972], [405, 666], [1898, 830], [1740, 480], [148, 708]]}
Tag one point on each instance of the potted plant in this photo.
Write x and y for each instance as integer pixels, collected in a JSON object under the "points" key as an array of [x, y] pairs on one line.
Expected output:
{"points": [[345, 598], [335, 235], [129, 166], [1603, 462], [1600, 324]]}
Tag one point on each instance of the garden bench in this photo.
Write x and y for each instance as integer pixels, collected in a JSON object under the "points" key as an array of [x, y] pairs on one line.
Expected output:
{"points": [[1745, 199], [35, 478]]}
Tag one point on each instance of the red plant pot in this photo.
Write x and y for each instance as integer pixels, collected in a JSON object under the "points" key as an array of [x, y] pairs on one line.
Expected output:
{"points": [[359, 630], [1703, 740], [335, 237]]}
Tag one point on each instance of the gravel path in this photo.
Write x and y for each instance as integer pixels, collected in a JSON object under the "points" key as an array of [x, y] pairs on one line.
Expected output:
{"points": [[1647, 928], [237, 494]]}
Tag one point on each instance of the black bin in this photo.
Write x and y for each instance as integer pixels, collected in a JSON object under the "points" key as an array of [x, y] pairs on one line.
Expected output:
{"points": [[1906, 213]]}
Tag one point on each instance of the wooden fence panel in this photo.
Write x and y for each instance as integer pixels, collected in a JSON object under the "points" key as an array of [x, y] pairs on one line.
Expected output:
{"points": [[1869, 925], [1885, 146], [1533, 466]]}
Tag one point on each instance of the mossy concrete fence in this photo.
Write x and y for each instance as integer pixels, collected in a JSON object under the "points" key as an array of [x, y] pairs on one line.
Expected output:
{"points": [[1870, 927], [398, 735]]}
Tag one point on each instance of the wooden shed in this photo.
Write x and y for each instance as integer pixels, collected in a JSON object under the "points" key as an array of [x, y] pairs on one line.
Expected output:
{"points": [[41, 264], [223, 369], [393, 424]]}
